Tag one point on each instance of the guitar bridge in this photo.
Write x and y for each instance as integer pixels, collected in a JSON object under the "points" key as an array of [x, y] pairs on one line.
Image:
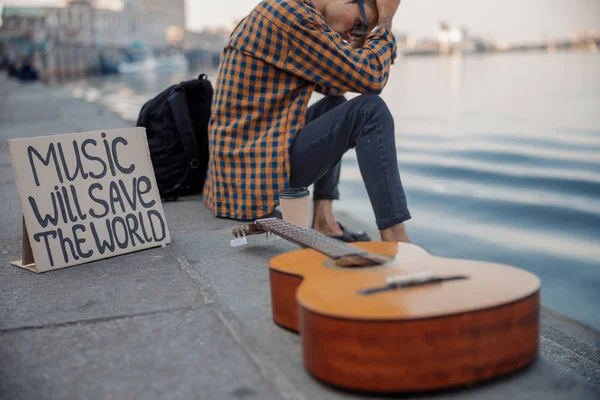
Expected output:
{"points": [[411, 280]]}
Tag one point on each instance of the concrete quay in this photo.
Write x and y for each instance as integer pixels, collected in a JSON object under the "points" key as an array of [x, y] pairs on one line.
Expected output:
{"points": [[191, 320]]}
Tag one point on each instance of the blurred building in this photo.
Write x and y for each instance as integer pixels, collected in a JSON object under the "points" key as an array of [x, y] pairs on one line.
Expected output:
{"points": [[78, 38], [115, 5], [213, 40], [448, 35], [99, 22], [447, 40], [203, 49], [454, 40], [171, 14]]}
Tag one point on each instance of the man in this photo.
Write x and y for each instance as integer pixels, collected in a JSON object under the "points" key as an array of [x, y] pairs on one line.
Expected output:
{"points": [[263, 139]]}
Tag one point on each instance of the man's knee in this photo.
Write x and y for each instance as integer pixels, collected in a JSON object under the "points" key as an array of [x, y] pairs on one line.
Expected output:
{"points": [[376, 107], [378, 110], [372, 101]]}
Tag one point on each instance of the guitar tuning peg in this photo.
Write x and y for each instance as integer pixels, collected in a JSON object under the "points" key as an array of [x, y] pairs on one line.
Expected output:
{"points": [[271, 237]]}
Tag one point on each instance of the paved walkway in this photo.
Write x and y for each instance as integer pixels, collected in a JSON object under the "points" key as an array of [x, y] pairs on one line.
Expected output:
{"points": [[191, 320]]}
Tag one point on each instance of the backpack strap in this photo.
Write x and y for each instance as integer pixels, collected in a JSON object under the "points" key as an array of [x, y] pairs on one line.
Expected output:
{"points": [[181, 115]]}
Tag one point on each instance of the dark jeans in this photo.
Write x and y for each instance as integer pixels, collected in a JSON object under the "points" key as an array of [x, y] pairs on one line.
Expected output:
{"points": [[334, 125]]}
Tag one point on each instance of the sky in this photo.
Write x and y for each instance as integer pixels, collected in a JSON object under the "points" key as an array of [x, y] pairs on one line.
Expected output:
{"points": [[511, 20]]}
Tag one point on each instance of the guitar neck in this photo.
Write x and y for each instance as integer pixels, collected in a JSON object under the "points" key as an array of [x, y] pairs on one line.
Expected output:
{"points": [[310, 238]]}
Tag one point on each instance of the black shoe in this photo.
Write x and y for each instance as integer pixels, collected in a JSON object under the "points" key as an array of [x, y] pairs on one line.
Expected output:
{"points": [[350, 236]]}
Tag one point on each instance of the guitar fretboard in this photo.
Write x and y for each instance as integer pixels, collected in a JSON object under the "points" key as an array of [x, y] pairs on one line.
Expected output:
{"points": [[308, 238]]}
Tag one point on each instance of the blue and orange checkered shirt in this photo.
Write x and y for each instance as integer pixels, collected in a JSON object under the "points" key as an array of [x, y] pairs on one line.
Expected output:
{"points": [[276, 57]]}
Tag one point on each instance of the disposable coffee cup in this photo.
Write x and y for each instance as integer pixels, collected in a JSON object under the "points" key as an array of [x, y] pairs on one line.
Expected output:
{"points": [[294, 205]]}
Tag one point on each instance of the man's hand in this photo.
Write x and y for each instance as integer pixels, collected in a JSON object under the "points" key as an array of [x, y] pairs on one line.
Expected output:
{"points": [[386, 10]]}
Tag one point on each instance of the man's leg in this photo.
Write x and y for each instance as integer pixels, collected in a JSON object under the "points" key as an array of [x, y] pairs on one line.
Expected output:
{"points": [[325, 189], [365, 123]]}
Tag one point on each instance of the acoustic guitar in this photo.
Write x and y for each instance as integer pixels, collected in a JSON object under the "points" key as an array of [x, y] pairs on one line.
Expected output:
{"points": [[389, 317]]}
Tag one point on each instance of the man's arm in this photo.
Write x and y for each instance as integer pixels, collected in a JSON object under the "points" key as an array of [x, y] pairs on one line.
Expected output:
{"points": [[321, 56], [329, 91], [386, 10]]}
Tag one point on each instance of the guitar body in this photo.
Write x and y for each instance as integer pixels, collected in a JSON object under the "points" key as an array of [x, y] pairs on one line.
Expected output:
{"points": [[419, 338]]}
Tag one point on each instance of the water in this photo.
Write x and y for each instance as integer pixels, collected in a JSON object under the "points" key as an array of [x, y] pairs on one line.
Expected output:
{"points": [[499, 156]]}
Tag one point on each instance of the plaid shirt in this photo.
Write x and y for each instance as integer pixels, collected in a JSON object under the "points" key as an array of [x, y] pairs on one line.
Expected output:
{"points": [[276, 57]]}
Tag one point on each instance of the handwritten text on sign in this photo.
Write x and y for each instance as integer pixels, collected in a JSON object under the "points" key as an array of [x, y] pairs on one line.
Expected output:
{"points": [[88, 196]]}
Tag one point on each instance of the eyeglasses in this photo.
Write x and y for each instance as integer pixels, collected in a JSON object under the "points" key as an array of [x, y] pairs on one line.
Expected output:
{"points": [[359, 31]]}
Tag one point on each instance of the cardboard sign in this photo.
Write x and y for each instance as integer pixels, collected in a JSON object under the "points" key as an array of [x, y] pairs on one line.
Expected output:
{"points": [[86, 196]]}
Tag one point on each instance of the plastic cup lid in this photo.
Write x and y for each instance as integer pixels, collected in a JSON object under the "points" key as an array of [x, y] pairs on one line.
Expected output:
{"points": [[294, 193]]}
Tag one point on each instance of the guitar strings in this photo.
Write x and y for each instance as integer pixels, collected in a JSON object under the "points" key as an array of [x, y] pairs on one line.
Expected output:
{"points": [[319, 237], [347, 250]]}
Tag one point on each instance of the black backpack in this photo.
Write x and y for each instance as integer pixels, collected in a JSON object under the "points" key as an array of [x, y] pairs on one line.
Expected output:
{"points": [[176, 123]]}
